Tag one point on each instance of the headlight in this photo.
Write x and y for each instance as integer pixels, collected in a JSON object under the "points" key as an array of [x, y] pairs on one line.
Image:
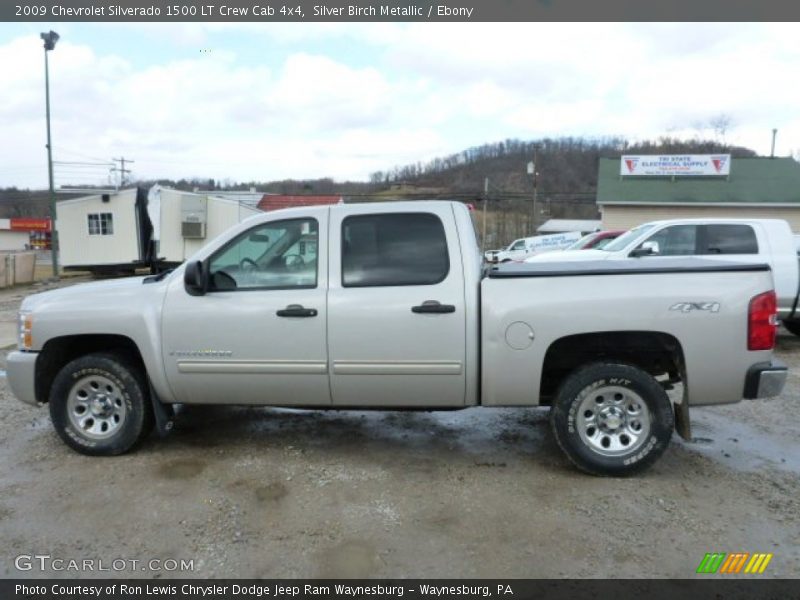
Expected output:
{"points": [[25, 337]]}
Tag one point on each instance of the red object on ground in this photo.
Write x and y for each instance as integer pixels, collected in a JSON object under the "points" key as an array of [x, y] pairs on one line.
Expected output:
{"points": [[276, 201]]}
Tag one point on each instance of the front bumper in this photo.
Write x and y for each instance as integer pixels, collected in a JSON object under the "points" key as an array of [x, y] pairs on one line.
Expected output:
{"points": [[765, 380], [21, 369]]}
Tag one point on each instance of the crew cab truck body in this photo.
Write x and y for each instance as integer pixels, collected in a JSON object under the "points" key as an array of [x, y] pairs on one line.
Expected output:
{"points": [[387, 306], [769, 241]]}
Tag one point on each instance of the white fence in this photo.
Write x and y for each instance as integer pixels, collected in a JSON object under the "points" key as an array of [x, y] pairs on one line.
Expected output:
{"points": [[16, 267]]}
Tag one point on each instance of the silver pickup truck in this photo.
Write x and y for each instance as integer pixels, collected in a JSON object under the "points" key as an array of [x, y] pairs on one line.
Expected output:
{"points": [[389, 306]]}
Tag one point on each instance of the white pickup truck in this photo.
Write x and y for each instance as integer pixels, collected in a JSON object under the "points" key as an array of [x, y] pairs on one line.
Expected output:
{"points": [[387, 306], [538, 244], [769, 241]]}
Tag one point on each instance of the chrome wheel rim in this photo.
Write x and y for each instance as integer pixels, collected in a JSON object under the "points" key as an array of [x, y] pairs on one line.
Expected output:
{"points": [[613, 420], [96, 407]]}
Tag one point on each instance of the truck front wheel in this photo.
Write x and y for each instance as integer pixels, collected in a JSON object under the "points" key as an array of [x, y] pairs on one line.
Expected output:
{"points": [[612, 419], [99, 405]]}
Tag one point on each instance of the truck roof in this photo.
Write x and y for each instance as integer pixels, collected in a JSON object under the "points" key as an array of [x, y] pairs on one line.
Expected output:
{"points": [[389, 206], [706, 220]]}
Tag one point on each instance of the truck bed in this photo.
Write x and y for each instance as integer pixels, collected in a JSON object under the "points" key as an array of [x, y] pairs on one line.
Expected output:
{"points": [[698, 306]]}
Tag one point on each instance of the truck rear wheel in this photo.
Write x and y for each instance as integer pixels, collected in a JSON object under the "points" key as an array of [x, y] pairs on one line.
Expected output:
{"points": [[99, 405], [612, 419]]}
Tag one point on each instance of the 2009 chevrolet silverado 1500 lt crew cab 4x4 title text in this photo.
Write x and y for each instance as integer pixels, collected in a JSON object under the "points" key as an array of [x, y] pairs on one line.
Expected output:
{"points": [[387, 306]]}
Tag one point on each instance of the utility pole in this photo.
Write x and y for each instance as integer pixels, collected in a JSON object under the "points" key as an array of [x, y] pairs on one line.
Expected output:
{"points": [[50, 38], [535, 186], [122, 170], [772, 152]]}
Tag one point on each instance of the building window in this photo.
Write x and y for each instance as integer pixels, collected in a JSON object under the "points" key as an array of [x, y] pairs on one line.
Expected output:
{"points": [[101, 224]]}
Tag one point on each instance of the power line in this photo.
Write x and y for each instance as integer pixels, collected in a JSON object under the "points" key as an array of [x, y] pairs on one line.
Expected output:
{"points": [[63, 150], [83, 164], [121, 170]]}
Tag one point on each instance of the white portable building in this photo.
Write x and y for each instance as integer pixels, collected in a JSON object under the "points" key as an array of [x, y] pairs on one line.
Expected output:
{"points": [[13, 239], [184, 221], [124, 230], [102, 231]]}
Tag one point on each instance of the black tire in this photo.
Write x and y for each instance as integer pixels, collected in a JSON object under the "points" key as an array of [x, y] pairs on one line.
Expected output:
{"points": [[123, 405], [622, 388], [792, 327]]}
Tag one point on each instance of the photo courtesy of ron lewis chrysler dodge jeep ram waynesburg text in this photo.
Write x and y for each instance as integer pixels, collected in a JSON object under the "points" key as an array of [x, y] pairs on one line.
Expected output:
{"points": [[388, 306]]}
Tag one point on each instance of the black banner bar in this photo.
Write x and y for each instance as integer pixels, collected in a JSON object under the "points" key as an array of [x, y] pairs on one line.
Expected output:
{"points": [[394, 10], [710, 588]]}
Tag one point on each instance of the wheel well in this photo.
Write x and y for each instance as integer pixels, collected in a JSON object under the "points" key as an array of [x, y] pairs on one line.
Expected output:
{"points": [[654, 352], [59, 351]]}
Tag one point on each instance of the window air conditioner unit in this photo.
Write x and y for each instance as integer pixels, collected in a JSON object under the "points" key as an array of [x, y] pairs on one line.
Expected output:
{"points": [[193, 229], [194, 216]]}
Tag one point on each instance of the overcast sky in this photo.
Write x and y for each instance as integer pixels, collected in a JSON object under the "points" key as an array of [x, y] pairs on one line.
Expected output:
{"points": [[299, 100]]}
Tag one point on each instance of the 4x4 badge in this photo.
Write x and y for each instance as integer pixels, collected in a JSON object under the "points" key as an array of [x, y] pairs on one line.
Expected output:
{"points": [[686, 307]]}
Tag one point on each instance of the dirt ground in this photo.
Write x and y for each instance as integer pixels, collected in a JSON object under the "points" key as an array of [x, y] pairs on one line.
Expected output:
{"points": [[251, 492]]}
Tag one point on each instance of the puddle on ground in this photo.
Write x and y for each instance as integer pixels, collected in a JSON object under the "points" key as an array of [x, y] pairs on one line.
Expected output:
{"points": [[474, 430], [271, 492], [351, 560], [740, 446], [185, 468]]}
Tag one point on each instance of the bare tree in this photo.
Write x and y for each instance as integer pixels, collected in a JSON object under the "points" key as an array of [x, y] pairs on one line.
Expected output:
{"points": [[720, 125]]}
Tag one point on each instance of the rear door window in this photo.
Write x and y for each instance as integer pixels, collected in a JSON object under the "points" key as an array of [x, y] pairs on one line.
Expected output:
{"points": [[393, 249], [729, 239]]}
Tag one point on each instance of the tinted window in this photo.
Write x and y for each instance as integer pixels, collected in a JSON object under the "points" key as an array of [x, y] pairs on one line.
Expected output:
{"points": [[277, 255], [677, 240], [730, 239], [393, 249]]}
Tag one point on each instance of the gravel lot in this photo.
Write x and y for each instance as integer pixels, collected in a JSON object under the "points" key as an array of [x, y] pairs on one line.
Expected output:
{"points": [[250, 492]]}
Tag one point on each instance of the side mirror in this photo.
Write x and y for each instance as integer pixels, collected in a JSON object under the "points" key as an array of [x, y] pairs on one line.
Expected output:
{"points": [[194, 279], [646, 249]]}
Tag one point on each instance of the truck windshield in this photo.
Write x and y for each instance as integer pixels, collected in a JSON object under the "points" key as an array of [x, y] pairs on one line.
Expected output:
{"points": [[581, 242], [626, 238]]}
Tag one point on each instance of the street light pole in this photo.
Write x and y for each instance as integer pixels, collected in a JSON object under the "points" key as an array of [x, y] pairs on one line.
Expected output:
{"points": [[50, 40], [535, 175]]}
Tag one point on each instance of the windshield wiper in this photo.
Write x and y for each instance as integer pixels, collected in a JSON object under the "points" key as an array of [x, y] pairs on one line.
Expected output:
{"points": [[157, 277]]}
